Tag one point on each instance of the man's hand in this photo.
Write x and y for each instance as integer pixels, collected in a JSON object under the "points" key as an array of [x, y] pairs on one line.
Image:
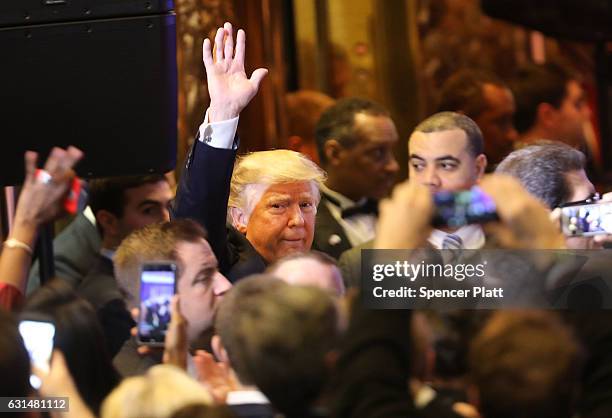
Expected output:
{"points": [[524, 220], [405, 218], [215, 376], [175, 348], [229, 88]]}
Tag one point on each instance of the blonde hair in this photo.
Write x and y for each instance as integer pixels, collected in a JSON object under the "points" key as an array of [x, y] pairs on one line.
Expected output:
{"points": [[163, 390], [268, 168]]}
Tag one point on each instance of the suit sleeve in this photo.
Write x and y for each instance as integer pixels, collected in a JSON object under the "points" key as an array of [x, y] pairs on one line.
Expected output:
{"points": [[203, 194]]}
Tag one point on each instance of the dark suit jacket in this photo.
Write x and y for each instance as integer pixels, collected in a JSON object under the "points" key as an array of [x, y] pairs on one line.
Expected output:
{"points": [[75, 250], [100, 288], [325, 228], [371, 375], [202, 195]]}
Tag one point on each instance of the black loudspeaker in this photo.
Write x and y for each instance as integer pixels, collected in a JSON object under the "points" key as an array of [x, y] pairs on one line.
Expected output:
{"points": [[97, 74], [584, 20]]}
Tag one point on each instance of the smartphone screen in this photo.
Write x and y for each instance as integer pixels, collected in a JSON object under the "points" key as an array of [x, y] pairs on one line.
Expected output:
{"points": [[587, 220], [38, 339], [456, 209], [157, 286]]}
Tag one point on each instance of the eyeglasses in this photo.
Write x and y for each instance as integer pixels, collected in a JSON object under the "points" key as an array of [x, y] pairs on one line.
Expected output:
{"points": [[594, 198]]}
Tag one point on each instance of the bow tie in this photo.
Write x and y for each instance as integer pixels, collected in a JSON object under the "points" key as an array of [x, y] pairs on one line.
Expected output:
{"points": [[368, 207]]}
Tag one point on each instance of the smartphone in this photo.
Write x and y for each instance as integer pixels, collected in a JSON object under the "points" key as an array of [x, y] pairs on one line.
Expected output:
{"points": [[587, 220], [38, 339], [456, 209], [157, 286]]}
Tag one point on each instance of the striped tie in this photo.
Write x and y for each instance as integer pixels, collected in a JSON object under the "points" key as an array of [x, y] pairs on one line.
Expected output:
{"points": [[454, 244]]}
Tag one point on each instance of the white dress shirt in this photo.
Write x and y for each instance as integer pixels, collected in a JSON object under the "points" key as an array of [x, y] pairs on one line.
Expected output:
{"points": [[219, 134]]}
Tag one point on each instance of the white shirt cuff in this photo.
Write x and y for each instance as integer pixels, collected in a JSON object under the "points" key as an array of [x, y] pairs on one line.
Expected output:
{"points": [[219, 134]]}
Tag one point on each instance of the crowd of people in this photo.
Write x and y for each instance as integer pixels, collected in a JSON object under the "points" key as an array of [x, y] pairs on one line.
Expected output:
{"points": [[267, 318]]}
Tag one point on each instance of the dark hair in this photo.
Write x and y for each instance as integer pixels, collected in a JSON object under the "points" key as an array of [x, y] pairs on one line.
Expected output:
{"points": [[79, 337], [541, 168], [446, 121], [525, 364], [463, 92], [338, 122], [109, 193], [535, 84], [14, 359], [276, 336]]}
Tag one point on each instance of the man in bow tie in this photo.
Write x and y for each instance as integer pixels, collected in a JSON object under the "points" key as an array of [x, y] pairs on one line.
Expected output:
{"points": [[355, 140], [445, 153]]}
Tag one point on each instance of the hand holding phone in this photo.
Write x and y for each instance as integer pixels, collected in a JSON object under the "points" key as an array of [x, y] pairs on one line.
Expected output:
{"points": [[38, 339], [587, 219], [157, 286]]}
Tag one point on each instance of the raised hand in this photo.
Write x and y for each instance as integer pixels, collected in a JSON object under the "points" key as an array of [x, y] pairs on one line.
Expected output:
{"points": [[215, 376], [41, 201], [405, 218], [229, 88]]}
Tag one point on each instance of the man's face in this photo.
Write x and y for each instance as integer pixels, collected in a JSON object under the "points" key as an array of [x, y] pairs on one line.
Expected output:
{"points": [[368, 168], [144, 205], [496, 122], [282, 221], [442, 161], [572, 115], [200, 285]]}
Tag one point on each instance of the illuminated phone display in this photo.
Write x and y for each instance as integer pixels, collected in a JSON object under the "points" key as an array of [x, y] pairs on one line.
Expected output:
{"points": [[157, 286], [38, 340], [587, 220]]}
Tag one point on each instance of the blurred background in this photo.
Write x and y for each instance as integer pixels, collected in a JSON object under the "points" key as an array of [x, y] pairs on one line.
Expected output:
{"points": [[397, 52]]}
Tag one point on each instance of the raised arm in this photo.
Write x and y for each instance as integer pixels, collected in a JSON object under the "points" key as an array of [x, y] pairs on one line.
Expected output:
{"points": [[40, 201], [204, 187]]}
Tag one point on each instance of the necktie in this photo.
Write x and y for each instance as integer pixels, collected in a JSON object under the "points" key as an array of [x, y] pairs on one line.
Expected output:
{"points": [[454, 244], [369, 207]]}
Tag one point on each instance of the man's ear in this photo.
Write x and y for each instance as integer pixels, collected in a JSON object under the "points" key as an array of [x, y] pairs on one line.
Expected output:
{"points": [[218, 349], [481, 165], [108, 222], [332, 150], [239, 219], [546, 115]]}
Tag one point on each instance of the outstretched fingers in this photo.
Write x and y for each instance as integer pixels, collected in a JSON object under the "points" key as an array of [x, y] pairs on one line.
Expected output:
{"points": [[258, 75], [30, 166], [229, 41]]}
